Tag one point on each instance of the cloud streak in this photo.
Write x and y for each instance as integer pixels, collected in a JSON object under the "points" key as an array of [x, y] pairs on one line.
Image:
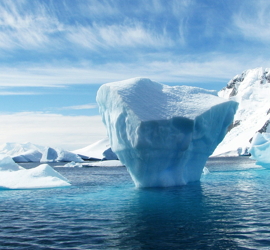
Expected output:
{"points": [[80, 107], [253, 20], [206, 68]]}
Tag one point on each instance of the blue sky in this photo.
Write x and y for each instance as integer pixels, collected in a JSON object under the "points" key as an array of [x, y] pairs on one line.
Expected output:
{"points": [[55, 54]]}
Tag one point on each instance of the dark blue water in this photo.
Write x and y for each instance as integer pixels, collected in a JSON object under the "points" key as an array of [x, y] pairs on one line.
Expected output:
{"points": [[228, 209]]}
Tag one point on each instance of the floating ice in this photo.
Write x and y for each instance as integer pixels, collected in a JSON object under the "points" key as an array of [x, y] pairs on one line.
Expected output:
{"points": [[7, 164], [260, 149], [28, 156], [28, 152], [73, 164], [13, 176], [107, 163], [100, 150], [162, 134], [58, 155]]}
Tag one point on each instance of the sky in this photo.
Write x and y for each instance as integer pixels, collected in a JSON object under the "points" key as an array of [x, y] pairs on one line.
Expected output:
{"points": [[54, 55]]}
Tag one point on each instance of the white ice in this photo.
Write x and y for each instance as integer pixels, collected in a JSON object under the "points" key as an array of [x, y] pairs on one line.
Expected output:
{"points": [[163, 134], [13, 176]]}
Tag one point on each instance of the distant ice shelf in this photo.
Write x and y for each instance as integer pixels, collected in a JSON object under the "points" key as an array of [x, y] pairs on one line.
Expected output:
{"points": [[163, 134]]}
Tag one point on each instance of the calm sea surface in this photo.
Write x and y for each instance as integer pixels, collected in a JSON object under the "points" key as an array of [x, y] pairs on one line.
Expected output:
{"points": [[228, 209]]}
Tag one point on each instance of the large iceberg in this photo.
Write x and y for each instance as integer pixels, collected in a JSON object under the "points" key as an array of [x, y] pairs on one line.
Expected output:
{"points": [[163, 134], [13, 176]]}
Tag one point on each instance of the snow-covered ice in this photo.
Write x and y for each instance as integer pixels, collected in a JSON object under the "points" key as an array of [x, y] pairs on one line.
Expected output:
{"points": [[59, 155], [251, 90], [100, 150], [13, 176], [163, 134]]}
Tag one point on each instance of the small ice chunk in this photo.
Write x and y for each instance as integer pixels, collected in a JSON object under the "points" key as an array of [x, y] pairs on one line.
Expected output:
{"points": [[13, 176]]}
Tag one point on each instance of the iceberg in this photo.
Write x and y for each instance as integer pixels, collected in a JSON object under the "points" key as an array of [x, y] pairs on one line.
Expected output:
{"points": [[260, 149], [100, 150], [58, 155], [28, 152], [163, 134], [13, 176], [28, 156]]}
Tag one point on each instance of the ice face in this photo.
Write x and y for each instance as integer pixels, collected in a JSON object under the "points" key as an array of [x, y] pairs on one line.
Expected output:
{"points": [[162, 134]]}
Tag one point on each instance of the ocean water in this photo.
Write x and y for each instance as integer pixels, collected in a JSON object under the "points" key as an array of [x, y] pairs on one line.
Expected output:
{"points": [[228, 209]]}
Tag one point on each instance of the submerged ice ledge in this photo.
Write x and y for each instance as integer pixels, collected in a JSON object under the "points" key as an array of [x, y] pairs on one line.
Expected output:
{"points": [[163, 134]]}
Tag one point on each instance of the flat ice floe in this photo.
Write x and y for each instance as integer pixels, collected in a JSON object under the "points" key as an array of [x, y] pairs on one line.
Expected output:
{"points": [[13, 176]]}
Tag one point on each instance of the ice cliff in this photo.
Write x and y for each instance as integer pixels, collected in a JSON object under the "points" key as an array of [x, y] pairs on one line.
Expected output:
{"points": [[251, 90], [163, 134]]}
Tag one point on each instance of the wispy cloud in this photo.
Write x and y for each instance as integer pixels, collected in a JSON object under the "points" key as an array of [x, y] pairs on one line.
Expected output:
{"points": [[253, 20], [204, 68], [5, 93], [67, 132], [80, 107], [117, 36], [26, 26]]}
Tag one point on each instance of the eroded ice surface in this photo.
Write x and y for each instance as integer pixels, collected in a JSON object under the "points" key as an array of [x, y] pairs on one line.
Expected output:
{"points": [[13, 176], [163, 134]]}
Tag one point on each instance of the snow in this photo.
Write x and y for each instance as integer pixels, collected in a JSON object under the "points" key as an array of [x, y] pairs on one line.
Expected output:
{"points": [[260, 149], [251, 90], [163, 134], [13, 176], [100, 150]]}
